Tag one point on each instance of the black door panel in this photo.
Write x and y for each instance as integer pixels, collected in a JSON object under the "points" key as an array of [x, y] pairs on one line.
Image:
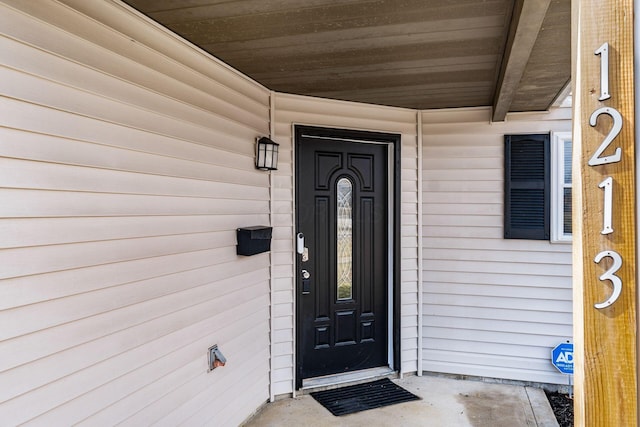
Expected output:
{"points": [[342, 189]]}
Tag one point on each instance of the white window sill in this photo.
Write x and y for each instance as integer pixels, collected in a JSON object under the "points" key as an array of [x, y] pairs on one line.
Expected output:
{"points": [[562, 241]]}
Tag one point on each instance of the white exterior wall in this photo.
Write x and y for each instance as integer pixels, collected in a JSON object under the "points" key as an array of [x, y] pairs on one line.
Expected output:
{"points": [[293, 109], [492, 307], [126, 164]]}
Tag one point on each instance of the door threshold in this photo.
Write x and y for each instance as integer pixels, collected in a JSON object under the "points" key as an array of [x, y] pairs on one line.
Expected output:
{"points": [[328, 382]]}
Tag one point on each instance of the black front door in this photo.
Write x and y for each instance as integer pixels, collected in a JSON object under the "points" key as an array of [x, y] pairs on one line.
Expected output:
{"points": [[342, 206]]}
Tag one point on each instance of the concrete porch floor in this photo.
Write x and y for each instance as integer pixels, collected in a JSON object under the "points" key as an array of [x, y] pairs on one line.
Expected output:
{"points": [[445, 402]]}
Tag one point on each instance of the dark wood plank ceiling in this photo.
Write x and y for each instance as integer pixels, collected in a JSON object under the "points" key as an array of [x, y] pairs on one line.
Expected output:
{"points": [[409, 53]]}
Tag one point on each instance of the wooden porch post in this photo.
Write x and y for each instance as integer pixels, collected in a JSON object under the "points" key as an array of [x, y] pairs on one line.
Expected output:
{"points": [[604, 214]]}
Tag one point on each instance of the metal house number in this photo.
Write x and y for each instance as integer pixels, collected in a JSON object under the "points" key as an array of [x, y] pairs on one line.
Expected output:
{"points": [[607, 184]]}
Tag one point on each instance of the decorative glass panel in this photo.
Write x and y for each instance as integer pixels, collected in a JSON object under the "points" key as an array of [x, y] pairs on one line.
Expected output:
{"points": [[345, 239]]}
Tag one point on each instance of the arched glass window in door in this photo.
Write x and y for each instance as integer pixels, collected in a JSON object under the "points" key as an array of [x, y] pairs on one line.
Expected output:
{"points": [[345, 239]]}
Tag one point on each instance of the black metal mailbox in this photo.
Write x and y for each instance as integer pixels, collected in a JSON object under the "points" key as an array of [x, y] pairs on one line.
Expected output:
{"points": [[253, 240]]}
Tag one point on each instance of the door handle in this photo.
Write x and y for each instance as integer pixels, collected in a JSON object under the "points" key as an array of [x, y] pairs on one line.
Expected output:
{"points": [[300, 243], [306, 282]]}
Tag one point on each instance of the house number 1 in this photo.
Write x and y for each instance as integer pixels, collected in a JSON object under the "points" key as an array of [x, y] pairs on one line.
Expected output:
{"points": [[607, 184]]}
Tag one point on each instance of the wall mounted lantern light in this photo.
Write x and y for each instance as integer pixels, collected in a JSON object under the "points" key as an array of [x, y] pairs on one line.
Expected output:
{"points": [[266, 154]]}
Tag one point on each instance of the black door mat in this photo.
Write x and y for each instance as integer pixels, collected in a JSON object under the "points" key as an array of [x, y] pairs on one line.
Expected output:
{"points": [[361, 397]]}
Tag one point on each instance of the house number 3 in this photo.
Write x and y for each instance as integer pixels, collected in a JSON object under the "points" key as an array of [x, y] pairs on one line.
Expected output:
{"points": [[607, 184]]}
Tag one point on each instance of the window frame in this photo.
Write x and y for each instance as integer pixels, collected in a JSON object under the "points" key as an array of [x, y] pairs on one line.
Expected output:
{"points": [[558, 141]]}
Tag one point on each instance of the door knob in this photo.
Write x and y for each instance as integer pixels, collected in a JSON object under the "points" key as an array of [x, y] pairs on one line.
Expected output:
{"points": [[306, 282]]}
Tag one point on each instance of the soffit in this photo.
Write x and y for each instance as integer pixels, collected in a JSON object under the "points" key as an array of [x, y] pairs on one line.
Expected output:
{"points": [[420, 54]]}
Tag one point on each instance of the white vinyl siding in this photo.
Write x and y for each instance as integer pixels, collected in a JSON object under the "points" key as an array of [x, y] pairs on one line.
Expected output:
{"points": [[126, 160], [291, 110], [126, 165], [492, 307]]}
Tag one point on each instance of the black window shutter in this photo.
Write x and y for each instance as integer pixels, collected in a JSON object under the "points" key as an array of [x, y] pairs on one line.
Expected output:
{"points": [[527, 186]]}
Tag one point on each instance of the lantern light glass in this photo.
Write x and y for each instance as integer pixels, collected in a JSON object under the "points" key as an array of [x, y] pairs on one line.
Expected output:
{"points": [[266, 154]]}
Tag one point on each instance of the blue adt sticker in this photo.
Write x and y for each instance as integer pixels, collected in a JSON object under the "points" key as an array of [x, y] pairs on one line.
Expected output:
{"points": [[562, 358]]}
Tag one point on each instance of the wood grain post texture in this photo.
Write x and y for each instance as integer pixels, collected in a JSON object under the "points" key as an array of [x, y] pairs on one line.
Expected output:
{"points": [[605, 339]]}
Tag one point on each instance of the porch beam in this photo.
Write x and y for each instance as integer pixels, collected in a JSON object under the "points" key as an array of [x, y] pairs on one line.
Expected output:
{"points": [[605, 354], [526, 22]]}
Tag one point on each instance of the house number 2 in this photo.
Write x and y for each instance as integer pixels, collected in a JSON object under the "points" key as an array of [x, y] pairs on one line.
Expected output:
{"points": [[607, 184]]}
